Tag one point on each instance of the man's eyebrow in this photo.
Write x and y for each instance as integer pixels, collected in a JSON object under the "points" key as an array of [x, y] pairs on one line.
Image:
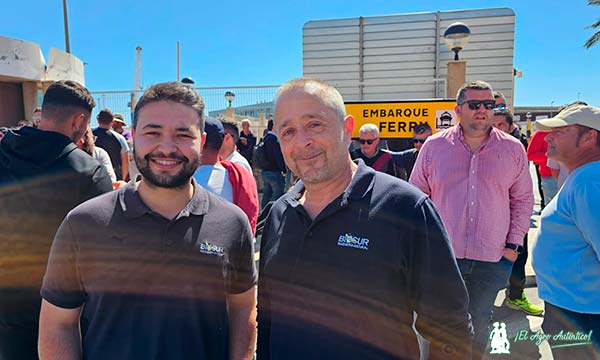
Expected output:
{"points": [[152, 126], [184, 129]]}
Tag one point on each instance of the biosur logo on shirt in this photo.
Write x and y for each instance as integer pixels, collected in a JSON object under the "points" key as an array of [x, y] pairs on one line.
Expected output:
{"points": [[357, 242], [211, 249]]}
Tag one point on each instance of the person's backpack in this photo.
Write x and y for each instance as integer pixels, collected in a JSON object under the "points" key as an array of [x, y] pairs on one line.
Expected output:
{"points": [[260, 155]]}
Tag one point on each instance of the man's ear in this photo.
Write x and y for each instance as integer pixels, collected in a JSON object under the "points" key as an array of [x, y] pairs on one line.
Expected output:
{"points": [[78, 122], [457, 111], [348, 126]]}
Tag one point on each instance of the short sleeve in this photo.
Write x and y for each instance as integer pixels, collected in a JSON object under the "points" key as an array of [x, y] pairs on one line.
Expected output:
{"points": [[122, 142], [62, 284], [242, 274]]}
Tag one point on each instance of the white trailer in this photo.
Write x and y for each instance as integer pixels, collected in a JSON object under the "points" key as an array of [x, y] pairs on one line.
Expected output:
{"points": [[399, 57]]}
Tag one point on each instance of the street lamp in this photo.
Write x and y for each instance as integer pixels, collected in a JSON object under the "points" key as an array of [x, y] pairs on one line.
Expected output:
{"points": [[229, 96], [456, 37]]}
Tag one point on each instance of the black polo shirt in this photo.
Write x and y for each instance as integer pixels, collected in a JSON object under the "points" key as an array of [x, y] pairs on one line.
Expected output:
{"points": [[151, 288], [345, 285]]}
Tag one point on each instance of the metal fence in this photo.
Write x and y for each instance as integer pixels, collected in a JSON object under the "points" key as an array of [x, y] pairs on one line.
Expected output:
{"points": [[249, 100]]}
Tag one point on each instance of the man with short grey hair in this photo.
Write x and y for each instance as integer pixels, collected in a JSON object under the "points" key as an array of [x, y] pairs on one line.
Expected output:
{"points": [[379, 159], [349, 254], [566, 256]]}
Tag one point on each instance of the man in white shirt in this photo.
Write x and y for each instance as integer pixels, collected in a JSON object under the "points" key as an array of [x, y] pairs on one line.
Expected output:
{"points": [[229, 149]]}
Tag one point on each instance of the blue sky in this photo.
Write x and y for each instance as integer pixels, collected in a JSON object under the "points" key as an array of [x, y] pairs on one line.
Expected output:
{"points": [[260, 42]]}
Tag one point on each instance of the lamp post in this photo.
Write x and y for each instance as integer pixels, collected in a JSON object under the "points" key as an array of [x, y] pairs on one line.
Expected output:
{"points": [[456, 37], [229, 96]]}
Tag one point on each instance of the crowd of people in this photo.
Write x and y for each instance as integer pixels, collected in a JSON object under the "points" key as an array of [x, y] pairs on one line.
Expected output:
{"points": [[369, 254]]}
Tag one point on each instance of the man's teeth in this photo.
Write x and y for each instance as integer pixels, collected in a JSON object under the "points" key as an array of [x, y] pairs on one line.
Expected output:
{"points": [[166, 162]]}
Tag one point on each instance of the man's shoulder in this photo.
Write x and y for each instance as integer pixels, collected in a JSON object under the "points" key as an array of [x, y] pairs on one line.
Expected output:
{"points": [[388, 188], [97, 210], [223, 211], [81, 162]]}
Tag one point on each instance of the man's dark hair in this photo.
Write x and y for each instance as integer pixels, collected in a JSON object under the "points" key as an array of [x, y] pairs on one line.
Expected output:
{"points": [[270, 125], [172, 91], [582, 129], [422, 128], [475, 85], [105, 116], [232, 129], [64, 98], [213, 142], [498, 94], [507, 115]]}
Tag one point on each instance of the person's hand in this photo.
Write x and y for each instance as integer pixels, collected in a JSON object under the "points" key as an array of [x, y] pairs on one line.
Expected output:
{"points": [[510, 254]]}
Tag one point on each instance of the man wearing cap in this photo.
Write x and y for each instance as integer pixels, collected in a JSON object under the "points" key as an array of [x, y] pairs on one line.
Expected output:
{"points": [[566, 256], [420, 133], [226, 178], [119, 127]]}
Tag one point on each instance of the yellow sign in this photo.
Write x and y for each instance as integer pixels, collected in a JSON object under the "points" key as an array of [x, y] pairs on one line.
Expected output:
{"points": [[397, 119]]}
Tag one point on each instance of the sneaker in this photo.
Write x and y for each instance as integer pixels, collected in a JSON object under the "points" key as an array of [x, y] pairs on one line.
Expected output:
{"points": [[524, 305]]}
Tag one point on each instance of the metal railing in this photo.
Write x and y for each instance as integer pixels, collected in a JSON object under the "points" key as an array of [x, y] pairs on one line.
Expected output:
{"points": [[249, 100]]}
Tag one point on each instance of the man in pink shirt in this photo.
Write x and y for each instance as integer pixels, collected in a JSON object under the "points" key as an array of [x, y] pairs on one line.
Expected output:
{"points": [[478, 177]]}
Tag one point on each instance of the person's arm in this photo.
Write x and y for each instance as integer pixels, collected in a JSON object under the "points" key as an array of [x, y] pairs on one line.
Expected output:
{"points": [[433, 275], [242, 324], [419, 175], [520, 200], [125, 164], [586, 208], [59, 336]]}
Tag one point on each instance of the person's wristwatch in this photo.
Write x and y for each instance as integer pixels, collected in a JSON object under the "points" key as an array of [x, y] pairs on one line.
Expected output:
{"points": [[517, 248]]}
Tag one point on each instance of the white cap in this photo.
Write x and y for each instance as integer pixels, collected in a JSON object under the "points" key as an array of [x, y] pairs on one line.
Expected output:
{"points": [[583, 115]]}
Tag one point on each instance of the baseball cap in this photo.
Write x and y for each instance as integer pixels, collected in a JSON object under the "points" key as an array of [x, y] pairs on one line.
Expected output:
{"points": [[583, 115], [213, 129]]}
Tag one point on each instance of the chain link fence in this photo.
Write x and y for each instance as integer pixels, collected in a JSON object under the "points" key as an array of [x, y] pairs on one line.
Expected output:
{"points": [[249, 101]]}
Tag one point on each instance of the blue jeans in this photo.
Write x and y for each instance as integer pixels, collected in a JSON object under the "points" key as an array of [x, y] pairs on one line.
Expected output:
{"points": [[557, 319], [549, 187], [273, 184], [483, 280]]}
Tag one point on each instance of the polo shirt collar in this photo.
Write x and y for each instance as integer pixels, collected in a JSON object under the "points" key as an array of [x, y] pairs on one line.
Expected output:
{"points": [[134, 207], [361, 184]]}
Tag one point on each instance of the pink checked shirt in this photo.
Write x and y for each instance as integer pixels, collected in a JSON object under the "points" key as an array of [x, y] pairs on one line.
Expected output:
{"points": [[485, 198]]}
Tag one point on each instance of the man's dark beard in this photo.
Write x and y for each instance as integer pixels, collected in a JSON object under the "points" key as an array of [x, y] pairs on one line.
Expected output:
{"points": [[178, 180]]}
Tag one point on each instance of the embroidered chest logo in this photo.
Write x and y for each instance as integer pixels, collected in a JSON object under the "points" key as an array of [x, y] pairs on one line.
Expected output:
{"points": [[211, 249], [357, 242]]}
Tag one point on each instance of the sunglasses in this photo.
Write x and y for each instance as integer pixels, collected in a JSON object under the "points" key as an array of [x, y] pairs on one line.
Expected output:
{"points": [[419, 140], [500, 107], [476, 104], [363, 141]]}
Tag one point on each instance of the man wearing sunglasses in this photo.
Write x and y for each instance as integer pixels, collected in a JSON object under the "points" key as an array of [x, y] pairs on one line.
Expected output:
{"points": [[421, 133], [478, 177], [379, 159]]}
